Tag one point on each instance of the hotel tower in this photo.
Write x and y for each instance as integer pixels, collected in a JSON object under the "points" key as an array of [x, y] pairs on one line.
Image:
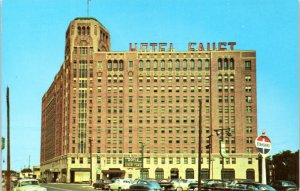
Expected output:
{"points": [[137, 113]]}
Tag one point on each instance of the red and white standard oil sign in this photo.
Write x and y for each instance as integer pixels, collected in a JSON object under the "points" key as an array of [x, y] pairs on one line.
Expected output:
{"points": [[263, 144]]}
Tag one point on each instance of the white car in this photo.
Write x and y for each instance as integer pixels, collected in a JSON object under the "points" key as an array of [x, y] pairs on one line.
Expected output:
{"points": [[180, 184], [28, 185], [120, 184]]}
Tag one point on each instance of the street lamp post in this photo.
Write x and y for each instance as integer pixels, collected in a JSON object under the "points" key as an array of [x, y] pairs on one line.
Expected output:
{"points": [[221, 132]]}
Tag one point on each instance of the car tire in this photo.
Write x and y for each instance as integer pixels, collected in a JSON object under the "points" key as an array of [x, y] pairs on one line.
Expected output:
{"points": [[195, 189], [179, 189]]}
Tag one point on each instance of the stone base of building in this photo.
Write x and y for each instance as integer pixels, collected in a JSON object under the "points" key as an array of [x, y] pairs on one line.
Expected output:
{"points": [[76, 168]]}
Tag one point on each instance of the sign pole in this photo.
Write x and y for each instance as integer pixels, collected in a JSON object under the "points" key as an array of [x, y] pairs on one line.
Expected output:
{"points": [[263, 170], [263, 145]]}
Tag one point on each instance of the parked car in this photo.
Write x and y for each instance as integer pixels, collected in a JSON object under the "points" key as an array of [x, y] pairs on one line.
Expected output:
{"points": [[28, 184], [284, 185], [143, 185], [166, 184], [252, 186], [120, 184], [212, 183], [232, 183], [180, 184], [193, 186], [102, 184]]}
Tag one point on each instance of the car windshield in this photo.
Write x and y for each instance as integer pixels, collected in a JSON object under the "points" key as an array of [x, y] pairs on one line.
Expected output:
{"points": [[29, 182]]}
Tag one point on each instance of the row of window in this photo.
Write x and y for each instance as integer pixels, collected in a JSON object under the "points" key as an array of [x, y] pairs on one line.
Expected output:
{"points": [[184, 65], [225, 64], [118, 65], [156, 160]]}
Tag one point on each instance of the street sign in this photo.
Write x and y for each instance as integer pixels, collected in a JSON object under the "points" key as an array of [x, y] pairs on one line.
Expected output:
{"points": [[223, 149], [263, 144], [132, 162]]}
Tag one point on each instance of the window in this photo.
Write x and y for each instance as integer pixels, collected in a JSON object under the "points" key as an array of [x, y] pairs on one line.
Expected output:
{"points": [[247, 65], [248, 89], [249, 140], [231, 65], [250, 174], [148, 65], [249, 150], [248, 109], [219, 78], [225, 64], [177, 65], [228, 174], [192, 65], [231, 78], [207, 65], [170, 65], [199, 78], [248, 99], [220, 64], [249, 160], [130, 63], [233, 160], [159, 174], [199, 65], [184, 65], [185, 160], [155, 65], [249, 129], [162, 65], [140, 65], [248, 119], [248, 78]]}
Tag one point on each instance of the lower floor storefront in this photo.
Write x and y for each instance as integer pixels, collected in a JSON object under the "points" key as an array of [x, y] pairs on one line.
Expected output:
{"points": [[77, 168]]}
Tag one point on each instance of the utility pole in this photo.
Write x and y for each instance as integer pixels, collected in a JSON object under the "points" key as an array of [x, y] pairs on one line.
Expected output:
{"points": [[8, 142], [142, 152], [91, 161], [209, 155], [199, 145]]}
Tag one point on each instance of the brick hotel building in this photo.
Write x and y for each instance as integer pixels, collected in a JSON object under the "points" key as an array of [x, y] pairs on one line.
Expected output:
{"points": [[119, 106]]}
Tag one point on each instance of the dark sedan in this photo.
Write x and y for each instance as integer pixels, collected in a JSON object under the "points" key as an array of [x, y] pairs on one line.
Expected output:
{"points": [[102, 184], [285, 185], [252, 186]]}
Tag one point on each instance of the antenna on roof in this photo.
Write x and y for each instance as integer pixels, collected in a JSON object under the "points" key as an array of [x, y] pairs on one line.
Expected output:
{"points": [[88, 6]]}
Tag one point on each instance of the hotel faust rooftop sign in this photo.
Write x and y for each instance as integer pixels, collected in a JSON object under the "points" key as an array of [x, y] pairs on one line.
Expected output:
{"points": [[132, 162], [192, 46]]}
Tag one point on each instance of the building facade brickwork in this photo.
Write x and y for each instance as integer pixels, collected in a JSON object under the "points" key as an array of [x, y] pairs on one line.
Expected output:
{"points": [[145, 102]]}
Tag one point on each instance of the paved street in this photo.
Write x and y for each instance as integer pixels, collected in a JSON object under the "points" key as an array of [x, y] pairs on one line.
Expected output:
{"points": [[67, 187]]}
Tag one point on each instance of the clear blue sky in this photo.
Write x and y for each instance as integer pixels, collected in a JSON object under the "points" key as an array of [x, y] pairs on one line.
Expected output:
{"points": [[33, 41]]}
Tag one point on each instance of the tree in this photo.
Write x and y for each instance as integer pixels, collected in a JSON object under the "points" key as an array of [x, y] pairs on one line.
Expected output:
{"points": [[286, 166]]}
